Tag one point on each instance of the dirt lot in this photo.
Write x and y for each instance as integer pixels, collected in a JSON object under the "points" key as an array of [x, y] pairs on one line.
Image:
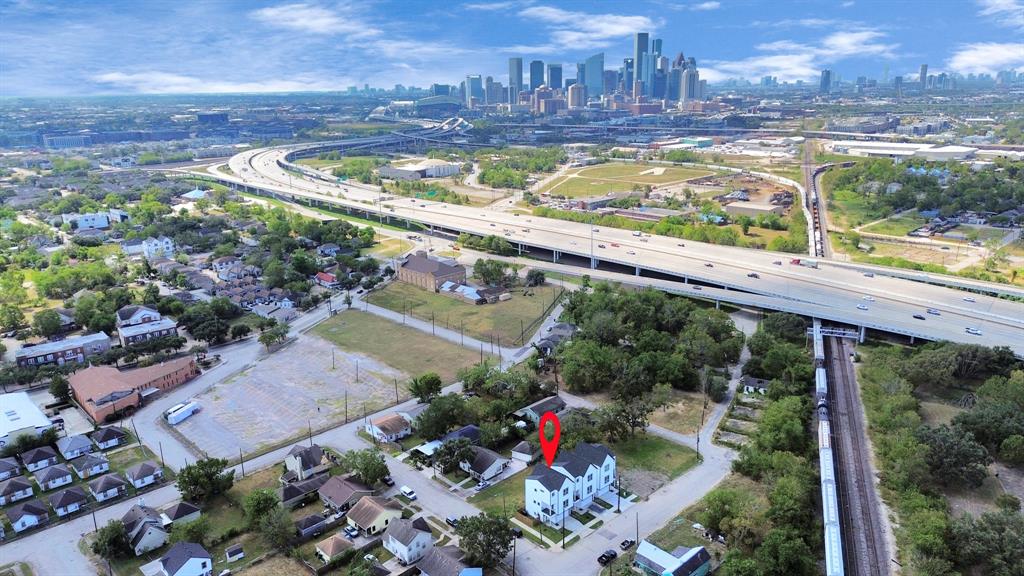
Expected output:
{"points": [[273, 401], [276, 566]]}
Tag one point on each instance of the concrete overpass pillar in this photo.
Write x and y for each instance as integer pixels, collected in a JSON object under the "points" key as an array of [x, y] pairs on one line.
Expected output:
{"points": [[638, 270], [593, 262], [911, 339], [863, 332], [718, 304], [554, 255], [520, 247]]}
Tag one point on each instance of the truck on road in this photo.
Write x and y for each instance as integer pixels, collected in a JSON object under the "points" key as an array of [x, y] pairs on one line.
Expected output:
{"points": [[180, 412], [804, 262]]}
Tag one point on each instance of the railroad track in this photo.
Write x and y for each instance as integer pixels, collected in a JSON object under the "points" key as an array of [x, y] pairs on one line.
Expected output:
{"points": [[862, 529]]}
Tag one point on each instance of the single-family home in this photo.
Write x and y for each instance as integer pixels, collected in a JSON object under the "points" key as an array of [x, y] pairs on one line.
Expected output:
{"points": [[682, 561], [74, 446], [388, 428], [408, 540], [470, 432], [534, 411], [137, 323], [305, 461], [68, 500], [90, 465], [182, 512], [309, 526], [144, 528], [107, 487], [329, 249], [27, 515], [225, 262], [53, 477], [293, 494], [9, 468], [332, 547], [412, 413], [38, 458], [485, 464], [572, 482], [372, 514], [108, 437], [144, 473], [14, 489], [234, 553], [341, 493], [182, 559], [67, 319], [327, 280], [523, 452], [445, 561]]}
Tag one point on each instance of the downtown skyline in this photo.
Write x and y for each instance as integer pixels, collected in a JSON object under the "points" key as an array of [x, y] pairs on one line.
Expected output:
{"points": [[229, 46]]}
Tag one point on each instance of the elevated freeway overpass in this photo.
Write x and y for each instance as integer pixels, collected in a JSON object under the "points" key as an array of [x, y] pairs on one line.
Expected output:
{"points": [[888, 300]]}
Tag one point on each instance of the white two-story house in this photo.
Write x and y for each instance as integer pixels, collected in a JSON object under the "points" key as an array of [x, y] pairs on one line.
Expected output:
{"points": [[408, 540], [572, 482]]}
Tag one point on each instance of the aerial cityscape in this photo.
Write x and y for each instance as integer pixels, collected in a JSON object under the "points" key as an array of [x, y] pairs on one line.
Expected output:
{"points": [[512, 287]]}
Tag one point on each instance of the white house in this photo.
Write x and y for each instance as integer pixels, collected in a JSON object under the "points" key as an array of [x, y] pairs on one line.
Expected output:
{"points": [[68, 501], [74, 446], [223, 263], [408, 540], [54, 477], [107, 487], [389, 428], [182, 512], [485, 464], [303, 462], [144, 528], [109, 437], [8, 468], [574, 479], [38, 458], [28, 514], [183, 559], [90, 465], [158, 247], [14, 489], [144, 473]]}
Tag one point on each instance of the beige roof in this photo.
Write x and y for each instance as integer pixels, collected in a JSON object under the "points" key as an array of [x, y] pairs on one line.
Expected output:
{"points": [[97, 382], [369, 508], [390, 424], [333, 545]]}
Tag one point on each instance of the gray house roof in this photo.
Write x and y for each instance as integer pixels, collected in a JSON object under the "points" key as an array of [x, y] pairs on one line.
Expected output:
{"points": [[87, 461], [547, 477], [309, 456], [74, 443], [137, 515], [180, 510], [426, 265], [12, 485], [442, 561], [107, 434], [8, 465], [141, 470], [308, 522], [181, 553], [38, 455], [107, 482], [405, 531], [483, 459], [31, 508], [577, 460], [67, 497], [52, 473]]}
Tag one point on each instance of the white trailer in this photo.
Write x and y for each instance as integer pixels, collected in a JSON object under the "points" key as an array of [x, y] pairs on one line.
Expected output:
{"points": [[180, 412]]}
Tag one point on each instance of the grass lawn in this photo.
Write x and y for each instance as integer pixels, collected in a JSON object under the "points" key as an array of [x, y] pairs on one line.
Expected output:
{"points": [[655, 454], [401, 347], [897, 225], [125, 458], [505, 497], [937, 413], [335, 214], [616, 177], [276, 566], [502, 321], [388, 247], [848, 209], [682, 414]]}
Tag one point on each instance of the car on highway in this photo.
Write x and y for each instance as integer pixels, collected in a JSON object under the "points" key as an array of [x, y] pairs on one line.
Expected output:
{"points": [[408, 492], [709, 265], [387, 481], [627, 544], [973, 331], [631, 253], [695, 287], [596, 230], [614, 245], [607, 557], [601, 246], [753, 275], [933, 312], [869, 274], [869, 298], [492, 224], [777, 262], [862, 307], [919, 316], [968, 299], [681, 245]]}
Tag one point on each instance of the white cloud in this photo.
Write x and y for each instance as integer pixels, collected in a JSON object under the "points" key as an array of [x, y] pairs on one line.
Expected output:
{"points": [[582, 31], [987, 57], [490, 6], [1009, 13], [313, 19], [847, 4], [155, 82], [706, 6]]}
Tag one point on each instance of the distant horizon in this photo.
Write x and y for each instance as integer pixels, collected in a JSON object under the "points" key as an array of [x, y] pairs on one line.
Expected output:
{"points": [[225, 47]]}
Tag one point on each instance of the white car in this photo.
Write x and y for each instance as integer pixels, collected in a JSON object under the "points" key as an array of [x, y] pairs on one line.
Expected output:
{"points": [[968, 299], [973, 331], [408, 492], [869, 299], [862, 307]]}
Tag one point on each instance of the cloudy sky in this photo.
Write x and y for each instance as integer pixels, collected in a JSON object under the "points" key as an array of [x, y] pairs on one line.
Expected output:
{"points": [[80, 47]]}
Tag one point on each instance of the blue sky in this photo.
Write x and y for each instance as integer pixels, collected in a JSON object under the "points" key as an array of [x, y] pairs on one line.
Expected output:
{"points": [[77, 47]]}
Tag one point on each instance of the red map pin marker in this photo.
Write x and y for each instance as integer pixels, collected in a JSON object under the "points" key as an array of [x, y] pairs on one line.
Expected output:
{"points": [[549, 447]]}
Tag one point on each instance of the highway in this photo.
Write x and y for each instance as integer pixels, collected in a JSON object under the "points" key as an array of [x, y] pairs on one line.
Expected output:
{"points": [[834, 291]]}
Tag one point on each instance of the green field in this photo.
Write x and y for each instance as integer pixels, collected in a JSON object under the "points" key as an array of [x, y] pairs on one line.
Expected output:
{"points": [[505, 497], [344, 160], [655, 454], [847, 209], [503, 321], [398, 346], [388, 247], [614, 177], [897, 225]]}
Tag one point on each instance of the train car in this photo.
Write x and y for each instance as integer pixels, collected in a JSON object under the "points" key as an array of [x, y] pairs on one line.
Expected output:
{"points": [[833, 551], [819, 350], [820, 385], [826, 467], [824, 433]]}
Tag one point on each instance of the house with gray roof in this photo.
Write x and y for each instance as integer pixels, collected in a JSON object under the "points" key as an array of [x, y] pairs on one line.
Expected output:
{"points": [[444, 561], [107, 487], [682, 561], [90, 465], [181, 512], [108, 437], [572, 482], [28, 515], [9, 468], [54, 477], [38, 458], [74, 446], [304, 462], [145, 529], [68, 500], [408, 540], [309, 526], [144, 473], [485, 464], [342, 493], [182, 559], [14, 489], [533, 412]]}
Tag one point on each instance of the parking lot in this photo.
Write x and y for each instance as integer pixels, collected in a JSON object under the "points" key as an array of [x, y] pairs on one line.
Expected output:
{"points": [[302, 385]]}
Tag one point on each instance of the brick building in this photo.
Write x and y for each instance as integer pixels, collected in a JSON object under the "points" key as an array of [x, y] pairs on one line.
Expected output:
{"points": [[420, 270], [103, 390], [75, 349]]}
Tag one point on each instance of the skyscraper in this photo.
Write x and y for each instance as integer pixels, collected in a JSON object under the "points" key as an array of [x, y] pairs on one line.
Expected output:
{"points": [[474, 89], [640, 41], [675, 84], [536, 74], [690, 84], [593, 75], [897, 84], [577, 96], [611, 81], [515, 79], [825, 85], [922, 77], [627, 75], [656, 46], [648, 71], [554, 76]]}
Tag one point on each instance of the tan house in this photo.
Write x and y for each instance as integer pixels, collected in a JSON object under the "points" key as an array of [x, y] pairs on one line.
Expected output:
{"points": [[389, 428], [372, 514], [429, 273], [332, 547]]}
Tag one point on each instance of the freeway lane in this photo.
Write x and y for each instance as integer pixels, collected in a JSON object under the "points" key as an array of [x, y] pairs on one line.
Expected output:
{"points": [[833, 290]]}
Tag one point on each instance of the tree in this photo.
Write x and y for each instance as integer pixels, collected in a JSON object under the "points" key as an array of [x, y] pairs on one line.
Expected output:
{"points": [[205, 479], [720, 505], [273, 336], [1012, 449], [425, 386], [111, 541], [46, 323], [492, 272], [151, 294], [258, 504], [211, 330], [992, 422], [239, 331], [277, 529], [535, 277], [486, 538], [784, 326], [12, 286], [11, 317], [368, 464], [450, 453], [990, 544], [60, 389], [347, 300], [783, 551], [782, 426], [443, 414], [954, 457], [194, 531]]}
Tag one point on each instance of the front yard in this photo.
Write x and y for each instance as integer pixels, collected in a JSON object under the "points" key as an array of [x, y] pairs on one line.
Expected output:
{"points": [[655, 454]]}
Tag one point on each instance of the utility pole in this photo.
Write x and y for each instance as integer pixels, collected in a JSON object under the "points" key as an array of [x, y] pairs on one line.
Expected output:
{"points": [[432, 323], [309, 429], [161, 445], [346, 406], [357, 370], [241, 461], [618, 491], [396, 390]]}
